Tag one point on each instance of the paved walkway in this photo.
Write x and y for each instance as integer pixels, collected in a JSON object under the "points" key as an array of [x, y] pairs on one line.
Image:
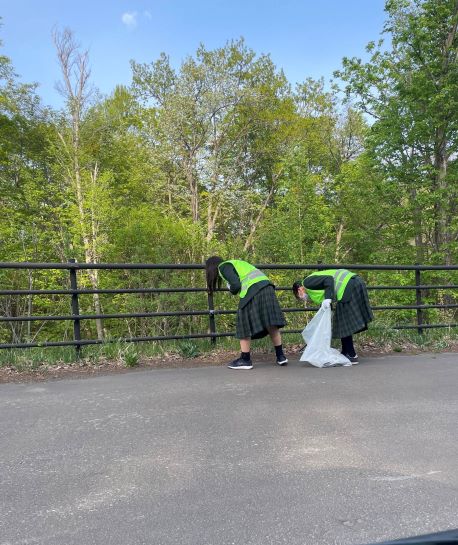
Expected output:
{"points": [[209, 456]]}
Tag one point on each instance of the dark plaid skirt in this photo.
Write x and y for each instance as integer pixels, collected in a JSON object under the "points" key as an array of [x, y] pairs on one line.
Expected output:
{"points": [[352, 317], [259, 313]]}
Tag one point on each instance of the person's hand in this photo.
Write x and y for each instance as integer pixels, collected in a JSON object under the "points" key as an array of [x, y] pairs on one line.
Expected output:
{"points": [[326, 304], [228, 286]]}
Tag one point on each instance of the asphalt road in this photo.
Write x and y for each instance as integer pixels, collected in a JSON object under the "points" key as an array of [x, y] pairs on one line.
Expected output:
{"points": [[209, 456]]}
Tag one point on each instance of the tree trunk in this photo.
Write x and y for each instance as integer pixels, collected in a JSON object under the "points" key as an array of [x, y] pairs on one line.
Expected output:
{"points": [[442, 224], [254, 226], [442, 228], [192, 181], [301, 245], [75, 72], [338, 239], [417, 223], [212, 216], [95, 253]]}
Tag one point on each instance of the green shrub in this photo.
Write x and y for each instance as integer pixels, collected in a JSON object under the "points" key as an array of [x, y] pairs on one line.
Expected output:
{"points": [[188, 349]]}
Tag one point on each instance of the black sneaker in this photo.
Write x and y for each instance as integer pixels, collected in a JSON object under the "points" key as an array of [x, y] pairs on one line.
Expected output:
{"points": [[240, 363], [282, 360], [354, 359]]}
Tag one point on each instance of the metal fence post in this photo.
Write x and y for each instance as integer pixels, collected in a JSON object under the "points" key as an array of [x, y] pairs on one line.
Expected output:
{"points": [[419, 300], [75, 308], [211, 317]]}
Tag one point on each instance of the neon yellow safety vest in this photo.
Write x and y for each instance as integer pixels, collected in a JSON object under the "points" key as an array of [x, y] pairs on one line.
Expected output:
{"points": [[248, 274], [341, 279]]}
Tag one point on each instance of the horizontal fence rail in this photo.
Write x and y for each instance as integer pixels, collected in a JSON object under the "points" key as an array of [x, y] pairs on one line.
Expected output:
{"points": [[74, 293], [195, 266]]}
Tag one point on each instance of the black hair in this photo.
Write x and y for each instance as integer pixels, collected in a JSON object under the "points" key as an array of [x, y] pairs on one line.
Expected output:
{"points": [[212, 273], [298, 284]]}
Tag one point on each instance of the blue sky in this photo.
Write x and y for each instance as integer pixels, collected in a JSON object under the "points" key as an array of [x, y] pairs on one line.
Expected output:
{"points": [[307, 38]]}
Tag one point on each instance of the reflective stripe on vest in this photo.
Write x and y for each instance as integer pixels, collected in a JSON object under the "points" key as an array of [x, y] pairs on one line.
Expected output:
{"points": [[248, 274], [341, 278], [246, 282]]}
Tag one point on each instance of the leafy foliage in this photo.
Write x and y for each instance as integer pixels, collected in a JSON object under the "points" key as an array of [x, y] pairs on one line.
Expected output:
{"points": [[222, 156]]}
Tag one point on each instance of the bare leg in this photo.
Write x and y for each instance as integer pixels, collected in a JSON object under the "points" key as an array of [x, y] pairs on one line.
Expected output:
{"points": [[275, 335], [245, 345]]}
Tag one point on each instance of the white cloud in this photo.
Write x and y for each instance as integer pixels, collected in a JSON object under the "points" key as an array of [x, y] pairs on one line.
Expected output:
{"points": [[129, 19], [147, 14]]}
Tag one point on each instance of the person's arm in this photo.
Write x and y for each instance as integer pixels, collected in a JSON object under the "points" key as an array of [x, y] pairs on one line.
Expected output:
{"points": [[231, 277], [322, 282]]}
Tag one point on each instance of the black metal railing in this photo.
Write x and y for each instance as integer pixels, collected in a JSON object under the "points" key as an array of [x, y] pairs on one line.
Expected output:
{"points": [[74, 293]]}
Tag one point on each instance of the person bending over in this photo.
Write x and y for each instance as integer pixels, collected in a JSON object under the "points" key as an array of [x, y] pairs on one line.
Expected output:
{"points": [[259, 313], [351, 303]]}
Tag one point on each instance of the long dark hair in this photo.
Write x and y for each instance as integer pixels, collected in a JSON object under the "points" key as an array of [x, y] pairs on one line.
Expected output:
{"points": [[212, 273]]}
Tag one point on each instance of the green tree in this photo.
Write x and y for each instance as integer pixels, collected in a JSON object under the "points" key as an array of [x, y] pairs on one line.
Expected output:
{"points": [[86, 186], [209, 120], [410, 89]]}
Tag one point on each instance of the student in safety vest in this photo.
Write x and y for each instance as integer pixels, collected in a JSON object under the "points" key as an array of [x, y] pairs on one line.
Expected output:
{"points": [[347, 291], [259, 313]]}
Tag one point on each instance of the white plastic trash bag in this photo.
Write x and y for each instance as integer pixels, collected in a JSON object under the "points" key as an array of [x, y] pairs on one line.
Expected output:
{"points": [[317, 335]]}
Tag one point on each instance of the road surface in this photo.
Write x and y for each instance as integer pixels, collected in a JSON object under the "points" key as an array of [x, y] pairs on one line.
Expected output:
{"points": [[209, 456]]}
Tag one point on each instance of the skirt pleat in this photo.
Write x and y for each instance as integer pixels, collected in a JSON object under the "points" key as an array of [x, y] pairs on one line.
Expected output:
{"points": [[258, 314], [353, 316]]}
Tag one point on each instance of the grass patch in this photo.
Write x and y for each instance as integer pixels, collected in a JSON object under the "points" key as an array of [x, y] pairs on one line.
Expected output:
{"points": [[379, 336], [129, 356], [188, 349], [33, 358], [378, 339]]}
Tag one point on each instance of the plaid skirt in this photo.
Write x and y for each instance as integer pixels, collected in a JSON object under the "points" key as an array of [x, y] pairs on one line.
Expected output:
{"points": [[352, 317], [259, 313]]}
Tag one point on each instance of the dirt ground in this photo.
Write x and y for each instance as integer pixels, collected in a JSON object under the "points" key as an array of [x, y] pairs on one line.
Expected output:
{"points": [[86, 368]]}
